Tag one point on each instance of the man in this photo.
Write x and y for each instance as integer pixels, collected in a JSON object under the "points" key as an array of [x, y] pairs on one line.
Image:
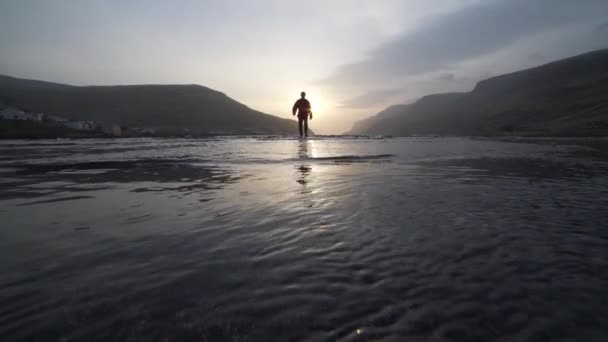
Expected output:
{"points": [[302, 106]]}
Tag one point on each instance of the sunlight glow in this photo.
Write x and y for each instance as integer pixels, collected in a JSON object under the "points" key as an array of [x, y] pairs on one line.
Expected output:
{"points": [[319, 101]]}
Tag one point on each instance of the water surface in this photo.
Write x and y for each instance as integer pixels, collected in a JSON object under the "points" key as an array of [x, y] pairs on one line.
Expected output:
{"points": [[330, 239]]}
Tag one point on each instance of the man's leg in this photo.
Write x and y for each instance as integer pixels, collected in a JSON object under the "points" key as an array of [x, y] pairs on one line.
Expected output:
{"points": [[306, 127], [300, 126]]}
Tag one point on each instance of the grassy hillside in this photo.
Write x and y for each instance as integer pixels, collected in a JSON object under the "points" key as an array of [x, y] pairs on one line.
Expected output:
{"points": [[193, 107], [563, 98]]}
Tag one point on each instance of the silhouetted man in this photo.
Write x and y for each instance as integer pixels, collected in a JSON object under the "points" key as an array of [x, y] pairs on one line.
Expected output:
{"points": [[302, 106]]}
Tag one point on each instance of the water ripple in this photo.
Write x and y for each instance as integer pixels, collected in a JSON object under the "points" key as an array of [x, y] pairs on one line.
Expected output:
{"points": [[331, 239]]}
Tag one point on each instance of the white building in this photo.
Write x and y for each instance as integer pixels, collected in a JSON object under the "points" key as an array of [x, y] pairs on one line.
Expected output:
{"points": [[81, 125], [11, 113]]}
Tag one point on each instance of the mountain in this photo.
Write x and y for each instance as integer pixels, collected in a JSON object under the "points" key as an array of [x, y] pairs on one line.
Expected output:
{"points": [[166, 108], [564, 98]]}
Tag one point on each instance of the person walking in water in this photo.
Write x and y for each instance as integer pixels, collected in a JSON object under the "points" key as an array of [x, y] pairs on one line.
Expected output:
{"points": [[302, 106]]}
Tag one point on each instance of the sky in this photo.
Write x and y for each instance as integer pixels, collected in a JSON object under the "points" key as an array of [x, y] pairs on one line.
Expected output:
{"points": [[352, 57]]}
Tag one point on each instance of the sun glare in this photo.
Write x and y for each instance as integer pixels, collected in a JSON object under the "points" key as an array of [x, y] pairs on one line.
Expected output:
{"points": [[319, 102], [318, 106]]}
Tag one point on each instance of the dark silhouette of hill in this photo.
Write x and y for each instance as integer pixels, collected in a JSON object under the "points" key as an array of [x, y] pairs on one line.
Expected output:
{"points": [[21, 129], [170, 108], [564, 98]]}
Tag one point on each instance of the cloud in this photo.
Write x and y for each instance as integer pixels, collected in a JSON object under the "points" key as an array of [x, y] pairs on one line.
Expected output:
{"points": [[410, 90], [601, 29], [466, 33], [447, 76], [371, 98]]}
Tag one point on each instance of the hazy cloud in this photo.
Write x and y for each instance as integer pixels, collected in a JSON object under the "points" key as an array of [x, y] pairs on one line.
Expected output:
{"points": [[453, 51], [466, 33], [410, 90], [447, 76], [601, 29], [371, 98]]}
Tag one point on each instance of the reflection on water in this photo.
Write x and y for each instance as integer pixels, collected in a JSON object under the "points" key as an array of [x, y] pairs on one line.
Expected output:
{"points": [[391, 239], [304, 169]]}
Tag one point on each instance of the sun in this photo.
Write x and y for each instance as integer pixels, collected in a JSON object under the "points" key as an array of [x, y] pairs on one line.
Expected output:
{"points": [[321, 104], [318, 101], [318, 105]]}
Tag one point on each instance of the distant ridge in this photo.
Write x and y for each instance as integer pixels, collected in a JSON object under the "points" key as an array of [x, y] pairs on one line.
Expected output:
{"points": [[568, 97], [169, 108]]}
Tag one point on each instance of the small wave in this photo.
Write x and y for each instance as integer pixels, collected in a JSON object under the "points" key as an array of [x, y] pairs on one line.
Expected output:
{"points": [[351, 157], [315, 137], [337, 159], [343, 158]]}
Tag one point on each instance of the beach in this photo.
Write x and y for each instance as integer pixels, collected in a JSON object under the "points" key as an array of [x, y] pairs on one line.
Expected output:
{"points": [[279, 239]]}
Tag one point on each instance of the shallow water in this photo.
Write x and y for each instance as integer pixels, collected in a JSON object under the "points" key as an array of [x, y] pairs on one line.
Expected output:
{"points": [[272, 239]]}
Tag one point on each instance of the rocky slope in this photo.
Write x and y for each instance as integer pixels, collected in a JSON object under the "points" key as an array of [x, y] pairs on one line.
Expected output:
{"points": [[564, 98]]}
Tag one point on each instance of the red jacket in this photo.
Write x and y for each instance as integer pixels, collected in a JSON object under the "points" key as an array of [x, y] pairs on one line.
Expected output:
{"points": [[303, 108]]}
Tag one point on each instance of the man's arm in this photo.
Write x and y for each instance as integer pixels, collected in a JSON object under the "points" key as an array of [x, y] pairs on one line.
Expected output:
{"points": [[309, 109], [293, 109]]}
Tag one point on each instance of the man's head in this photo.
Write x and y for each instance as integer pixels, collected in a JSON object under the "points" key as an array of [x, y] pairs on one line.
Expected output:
{"points": [[303, 94]]}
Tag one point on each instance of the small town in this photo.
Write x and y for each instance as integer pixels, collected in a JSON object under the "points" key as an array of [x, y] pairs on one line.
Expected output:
{"points": [[114, 130]]}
